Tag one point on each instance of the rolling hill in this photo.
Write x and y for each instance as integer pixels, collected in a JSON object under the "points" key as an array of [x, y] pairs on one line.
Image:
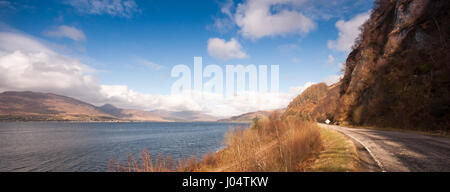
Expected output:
{"points": [[248, 117], [34, 106]]}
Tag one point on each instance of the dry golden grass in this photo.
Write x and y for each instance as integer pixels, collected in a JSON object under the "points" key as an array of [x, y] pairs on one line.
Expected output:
{"points": [[146, 163], [270, 145], [338, 155]]}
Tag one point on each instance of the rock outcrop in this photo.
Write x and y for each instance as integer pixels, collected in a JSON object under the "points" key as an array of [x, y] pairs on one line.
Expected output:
{"points": [[398, 74]]}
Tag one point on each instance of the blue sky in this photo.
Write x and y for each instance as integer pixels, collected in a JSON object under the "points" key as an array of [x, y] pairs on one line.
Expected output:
{"points": [[135, 44]]}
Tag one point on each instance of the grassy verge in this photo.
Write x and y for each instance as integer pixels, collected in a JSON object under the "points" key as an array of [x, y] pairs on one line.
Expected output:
{"points": [[338, 154], [269, 145]]}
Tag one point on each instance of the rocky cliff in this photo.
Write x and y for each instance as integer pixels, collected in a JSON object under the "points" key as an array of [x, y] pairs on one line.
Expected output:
{"points": [[398, 74]]}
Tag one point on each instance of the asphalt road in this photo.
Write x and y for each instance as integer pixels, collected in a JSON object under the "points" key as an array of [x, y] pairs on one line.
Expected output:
{"points": [[401, 152]]}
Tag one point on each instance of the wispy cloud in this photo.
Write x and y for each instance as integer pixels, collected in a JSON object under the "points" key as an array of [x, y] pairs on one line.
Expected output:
{"points": [[226, 23], [221, 49], [149, 64], [65, 31], [120, 8], [331, 59]]}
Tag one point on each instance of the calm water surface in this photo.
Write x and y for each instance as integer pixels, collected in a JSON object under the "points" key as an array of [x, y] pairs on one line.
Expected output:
{"points": [[62, 146]]}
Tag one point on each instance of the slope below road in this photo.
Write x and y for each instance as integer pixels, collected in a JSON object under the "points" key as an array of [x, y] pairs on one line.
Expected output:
{"points": [[398, 151]]}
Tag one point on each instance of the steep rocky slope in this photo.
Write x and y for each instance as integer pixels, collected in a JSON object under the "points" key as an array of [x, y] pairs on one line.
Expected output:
{"points": [[304, 104], [398, 74]]}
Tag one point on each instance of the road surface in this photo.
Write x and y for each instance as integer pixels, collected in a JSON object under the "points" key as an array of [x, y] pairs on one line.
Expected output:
{"points": [[399, 151]]}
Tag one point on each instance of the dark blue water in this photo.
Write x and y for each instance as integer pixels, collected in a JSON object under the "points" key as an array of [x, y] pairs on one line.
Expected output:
{"points": [[57, 146]]}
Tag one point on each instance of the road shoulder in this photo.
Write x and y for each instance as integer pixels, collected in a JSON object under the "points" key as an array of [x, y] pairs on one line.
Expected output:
{"points": [[339, 154]]}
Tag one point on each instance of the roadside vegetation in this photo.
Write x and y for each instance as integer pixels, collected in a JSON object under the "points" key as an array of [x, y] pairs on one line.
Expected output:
{"points": [[286, 142], [271, 144], [338, 155]]}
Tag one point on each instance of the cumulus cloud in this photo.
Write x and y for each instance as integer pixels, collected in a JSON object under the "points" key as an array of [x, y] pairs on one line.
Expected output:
{"points": [[67, 32], [27, 64], [261, 18], [220, 49], [120, 8], [348, 32], [209, 103]]}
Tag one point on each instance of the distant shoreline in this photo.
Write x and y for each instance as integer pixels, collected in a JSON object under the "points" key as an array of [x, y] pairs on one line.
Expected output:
{"points": [[123, 121]]}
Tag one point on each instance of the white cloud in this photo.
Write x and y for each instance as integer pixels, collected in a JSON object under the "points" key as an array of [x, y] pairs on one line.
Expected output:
{"points": [[209, 103], [66, 31], [220, 49], [227, 7], [332, 79], [121, 8], [262, 18], [300, 89], [226, 23], [348, 32], [30, 65], [27, 64], [222, 25]]}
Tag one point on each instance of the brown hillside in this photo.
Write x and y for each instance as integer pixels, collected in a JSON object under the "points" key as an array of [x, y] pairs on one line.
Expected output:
{"points": [[398, 74], [305, 103], [34, 106], [47, 106], [249, 117]]}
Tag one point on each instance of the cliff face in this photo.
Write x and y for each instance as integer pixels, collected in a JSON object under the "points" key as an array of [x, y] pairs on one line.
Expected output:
{"points": [[398, 74]]}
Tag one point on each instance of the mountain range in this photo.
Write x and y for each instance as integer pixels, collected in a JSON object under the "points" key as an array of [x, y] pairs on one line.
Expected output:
{"points": [[35, 106]]}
